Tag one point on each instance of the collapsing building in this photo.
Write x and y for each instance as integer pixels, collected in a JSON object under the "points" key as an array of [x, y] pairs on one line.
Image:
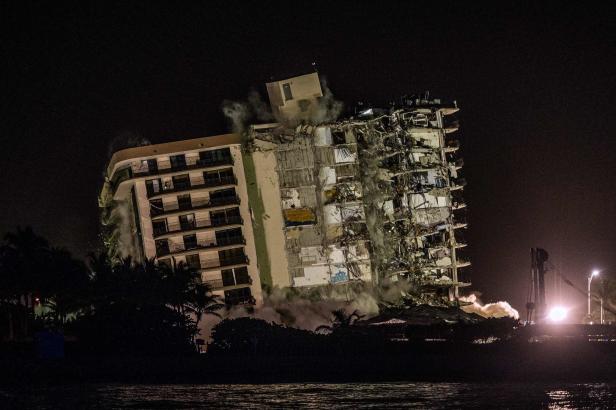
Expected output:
{"points": [[307, 201], [372, 197]]}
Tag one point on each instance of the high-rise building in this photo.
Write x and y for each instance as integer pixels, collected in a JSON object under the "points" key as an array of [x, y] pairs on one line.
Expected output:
{"points": [[186, 201], [306, 201]]}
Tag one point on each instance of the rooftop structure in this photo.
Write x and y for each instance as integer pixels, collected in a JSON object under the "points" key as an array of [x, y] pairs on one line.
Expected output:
{"points": [[295, 99]]}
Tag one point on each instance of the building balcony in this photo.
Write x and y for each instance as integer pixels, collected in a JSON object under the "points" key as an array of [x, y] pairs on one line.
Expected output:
{"points": [[452, 146], [166, 167], [238, 260], [451, 128], [199, 225], [196, 205], [188, 186], [220, 284], [184, 248]]}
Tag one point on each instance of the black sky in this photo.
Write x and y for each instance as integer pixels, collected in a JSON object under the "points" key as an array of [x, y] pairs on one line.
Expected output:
{"points": [[535, 83]]}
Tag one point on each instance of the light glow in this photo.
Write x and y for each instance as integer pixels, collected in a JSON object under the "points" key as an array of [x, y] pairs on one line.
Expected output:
{"points": [[557, 314], [595, 273]]}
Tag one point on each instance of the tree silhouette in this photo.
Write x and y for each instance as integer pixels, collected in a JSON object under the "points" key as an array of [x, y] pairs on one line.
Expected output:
{"points": [[117, 307], [156, 302], [67, 291], [341, 321], [24, 258]]}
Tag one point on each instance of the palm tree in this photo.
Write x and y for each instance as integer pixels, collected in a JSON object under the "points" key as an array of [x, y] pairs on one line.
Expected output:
{"points": [[24, 260], [190, 294], [67, 294], [137, 287], [341, 321], [203, 302]]}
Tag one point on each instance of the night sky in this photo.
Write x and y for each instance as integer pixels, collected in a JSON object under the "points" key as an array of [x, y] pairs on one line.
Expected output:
{"points": [[535, 85]]}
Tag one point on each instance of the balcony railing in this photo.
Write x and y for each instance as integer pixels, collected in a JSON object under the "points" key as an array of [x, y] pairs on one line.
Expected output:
{"points": [[197, 224], [196, 205], [190, 185], [165, 167], [179, 248], [235, 260], [219, 263], [219, 283], [214, 283]]}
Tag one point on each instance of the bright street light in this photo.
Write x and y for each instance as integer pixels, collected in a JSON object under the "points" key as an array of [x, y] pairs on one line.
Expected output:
{"points": [[557, 314]]}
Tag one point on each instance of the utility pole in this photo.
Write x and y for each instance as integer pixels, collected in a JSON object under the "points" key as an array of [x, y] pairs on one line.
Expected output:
{"points": [[592, 275]]}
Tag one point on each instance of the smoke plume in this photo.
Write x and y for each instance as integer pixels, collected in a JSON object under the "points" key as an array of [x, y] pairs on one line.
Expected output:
{"points": [[126, 139], [490, 310], [240, 114], [308, 311], [328, 108]]}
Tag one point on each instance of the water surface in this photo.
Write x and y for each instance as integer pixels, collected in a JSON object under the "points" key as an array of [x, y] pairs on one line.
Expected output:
{"points": [[315, 396]]}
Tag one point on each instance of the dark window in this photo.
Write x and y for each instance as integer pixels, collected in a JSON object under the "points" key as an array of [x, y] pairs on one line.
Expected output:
{"points": [[231, 256], [215, 157], [238, 296], [162, 247], [152, 186], [184, 202], [187, 222], [286, 89], [225, 217], [178, 161], [160, 227], [156, 207], [227, 277], [236, 276], [224, 196], [221, 177], [152, 166], [241, 276], [338, 137], [181, 181], [193, 261], [165, 262], [229, 237], [190, 241]]}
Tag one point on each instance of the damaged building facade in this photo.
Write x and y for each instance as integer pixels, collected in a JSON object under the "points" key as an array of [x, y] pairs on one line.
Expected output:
{"points": [[309, 200], [373, 197]]}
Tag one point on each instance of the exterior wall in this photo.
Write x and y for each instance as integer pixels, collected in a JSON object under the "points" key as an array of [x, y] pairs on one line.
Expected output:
{"points": [[143, 203], [236, 151], [205, 232], [273, 225]]}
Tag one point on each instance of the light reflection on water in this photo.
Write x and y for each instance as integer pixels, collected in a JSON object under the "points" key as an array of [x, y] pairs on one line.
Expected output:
{"points": [[310, 395]]}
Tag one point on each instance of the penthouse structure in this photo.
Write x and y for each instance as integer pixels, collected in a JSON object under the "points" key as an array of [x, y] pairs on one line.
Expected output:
{"points": [[186, 201]]}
